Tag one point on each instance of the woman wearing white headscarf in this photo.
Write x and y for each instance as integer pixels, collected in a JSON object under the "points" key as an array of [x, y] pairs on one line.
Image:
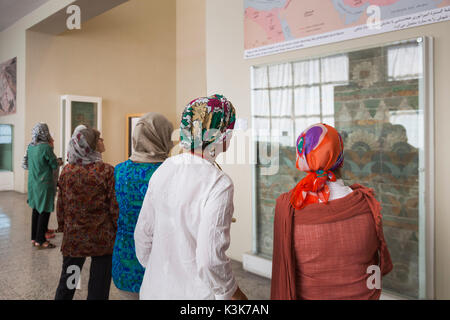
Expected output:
{"points": [[183, 230], [151, 146], [41, 162], [87, 214]]}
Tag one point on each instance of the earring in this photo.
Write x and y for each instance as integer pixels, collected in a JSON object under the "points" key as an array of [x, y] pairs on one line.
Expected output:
{"points": [[212, 152]]}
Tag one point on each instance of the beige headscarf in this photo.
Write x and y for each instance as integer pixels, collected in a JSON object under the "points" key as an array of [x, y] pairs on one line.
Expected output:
{"points": [[152, 138]]}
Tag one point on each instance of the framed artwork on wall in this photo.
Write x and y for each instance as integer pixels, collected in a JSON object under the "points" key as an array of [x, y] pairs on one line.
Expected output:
{"points": [[76, 110], [8, 86], [131, 121]]}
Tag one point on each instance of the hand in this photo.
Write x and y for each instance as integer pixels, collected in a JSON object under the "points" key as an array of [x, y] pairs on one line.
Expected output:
{"points": [[59, 161], [239, 295]]}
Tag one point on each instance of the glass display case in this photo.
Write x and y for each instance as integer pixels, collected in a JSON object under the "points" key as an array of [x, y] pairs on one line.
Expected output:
{"points": [[379, 100], [76, 110]]}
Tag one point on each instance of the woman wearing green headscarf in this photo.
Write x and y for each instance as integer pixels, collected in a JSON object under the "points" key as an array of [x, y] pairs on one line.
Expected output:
{"points": [[183, 229]]}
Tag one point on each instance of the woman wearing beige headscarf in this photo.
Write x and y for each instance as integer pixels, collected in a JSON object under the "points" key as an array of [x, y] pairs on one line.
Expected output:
{"points": [[151, 146]]}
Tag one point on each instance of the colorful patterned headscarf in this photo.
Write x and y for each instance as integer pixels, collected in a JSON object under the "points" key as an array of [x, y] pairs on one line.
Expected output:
{"points": [[205, 121], [78, 151], [320, 150], [39, 134]]}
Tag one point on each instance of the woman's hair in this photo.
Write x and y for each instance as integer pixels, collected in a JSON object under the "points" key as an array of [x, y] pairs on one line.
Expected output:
{"points": [[91, 135]]}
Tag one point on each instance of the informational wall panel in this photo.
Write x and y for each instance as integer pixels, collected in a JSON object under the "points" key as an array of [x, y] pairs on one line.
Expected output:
{"points": [[275, 26]]}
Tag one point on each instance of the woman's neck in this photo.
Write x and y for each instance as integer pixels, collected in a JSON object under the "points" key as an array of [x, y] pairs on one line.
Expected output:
{"points": [[203, 154]]}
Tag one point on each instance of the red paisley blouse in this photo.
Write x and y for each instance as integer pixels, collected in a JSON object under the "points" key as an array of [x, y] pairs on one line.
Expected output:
{"points": [[87, 209]]}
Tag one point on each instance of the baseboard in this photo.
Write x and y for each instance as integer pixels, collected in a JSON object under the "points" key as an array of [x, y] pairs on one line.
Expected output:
{"points": [[258, 265], [390, 296], [6, 180]]}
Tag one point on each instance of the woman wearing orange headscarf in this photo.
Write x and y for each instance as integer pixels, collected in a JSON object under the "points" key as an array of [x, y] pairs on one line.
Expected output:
{"points": [[327, 237]]}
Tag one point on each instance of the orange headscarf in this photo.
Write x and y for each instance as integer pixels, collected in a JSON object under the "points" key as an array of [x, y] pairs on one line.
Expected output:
{"points": [[320, 150]]}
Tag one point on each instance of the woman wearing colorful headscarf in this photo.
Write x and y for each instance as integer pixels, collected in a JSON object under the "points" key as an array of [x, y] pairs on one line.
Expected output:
{"points": [[152, 142], [328, 238], [183, 228], [41, 162], [87, 214]]}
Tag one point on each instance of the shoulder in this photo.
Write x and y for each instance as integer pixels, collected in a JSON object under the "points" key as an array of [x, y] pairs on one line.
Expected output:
{"points": [[363, 189], [221, 183], [42, 146], [105, 167], [66, 170], [284, 198], [224, 179], [121, 166], [102, 165], [45, 147]]}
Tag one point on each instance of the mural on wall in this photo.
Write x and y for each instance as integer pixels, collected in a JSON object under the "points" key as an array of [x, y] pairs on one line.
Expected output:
{"points": [[377, 113], [8, 87], [379, 154]]}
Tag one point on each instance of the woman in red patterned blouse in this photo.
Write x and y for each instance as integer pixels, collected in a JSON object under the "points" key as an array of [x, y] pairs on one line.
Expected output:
{"points": [[87, 213]]}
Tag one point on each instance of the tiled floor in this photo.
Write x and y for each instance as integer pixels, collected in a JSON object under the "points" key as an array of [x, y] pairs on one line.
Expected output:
{"points": [[27, 273]]}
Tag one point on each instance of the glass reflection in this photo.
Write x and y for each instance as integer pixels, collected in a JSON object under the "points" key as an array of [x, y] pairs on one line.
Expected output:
{"points": [[371, 96]]}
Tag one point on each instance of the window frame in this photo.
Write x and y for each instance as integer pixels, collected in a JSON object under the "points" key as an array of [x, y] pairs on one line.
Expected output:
{"points": [[426, 245]]}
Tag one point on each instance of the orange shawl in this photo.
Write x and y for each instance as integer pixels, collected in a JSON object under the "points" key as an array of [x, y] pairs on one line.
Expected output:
{"points": [[283, 263]]}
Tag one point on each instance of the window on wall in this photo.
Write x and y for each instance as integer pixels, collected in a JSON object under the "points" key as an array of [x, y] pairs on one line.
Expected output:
{"points": [[294, 95], [6, 147], [373, 97]]}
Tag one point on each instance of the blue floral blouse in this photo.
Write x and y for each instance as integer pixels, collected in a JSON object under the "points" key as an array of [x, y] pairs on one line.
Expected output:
{"points": [[131, 185]]}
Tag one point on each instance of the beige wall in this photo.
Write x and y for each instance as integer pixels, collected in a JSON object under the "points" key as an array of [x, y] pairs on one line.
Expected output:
{"points": [[191, 52], [229, 73], [13, 44], [126, 56]]}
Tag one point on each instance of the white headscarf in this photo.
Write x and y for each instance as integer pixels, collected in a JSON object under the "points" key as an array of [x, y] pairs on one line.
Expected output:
{"points": [[78, 151]]}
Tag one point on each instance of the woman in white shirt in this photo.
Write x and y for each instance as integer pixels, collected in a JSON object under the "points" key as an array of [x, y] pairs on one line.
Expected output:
{"points": [[183, 228]]}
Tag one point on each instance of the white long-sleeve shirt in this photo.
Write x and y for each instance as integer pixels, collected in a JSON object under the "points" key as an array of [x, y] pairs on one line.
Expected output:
{"points": [[183, 232]]}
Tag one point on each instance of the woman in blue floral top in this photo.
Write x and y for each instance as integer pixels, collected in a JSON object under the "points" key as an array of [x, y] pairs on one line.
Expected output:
{"points": [[151, 146]]}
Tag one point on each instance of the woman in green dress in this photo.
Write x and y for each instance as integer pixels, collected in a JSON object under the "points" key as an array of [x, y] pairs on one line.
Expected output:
{"points": [[41, 162]]}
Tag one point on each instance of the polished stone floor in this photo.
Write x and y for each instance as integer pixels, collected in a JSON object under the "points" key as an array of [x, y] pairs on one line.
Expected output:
{"points": [[27, 273]]}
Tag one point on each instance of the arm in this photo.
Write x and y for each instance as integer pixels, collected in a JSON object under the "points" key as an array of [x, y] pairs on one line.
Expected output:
{"points": [[214, 267], [113, 205], [51, 158], [25, 160], [60, 203], [143, 234]]}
